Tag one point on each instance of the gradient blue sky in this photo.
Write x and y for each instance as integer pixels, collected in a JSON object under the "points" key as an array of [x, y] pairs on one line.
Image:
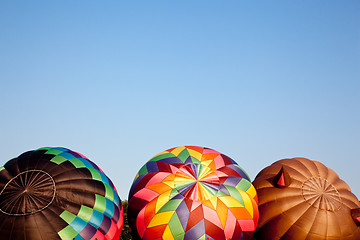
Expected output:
{"points": [[120, 81]]}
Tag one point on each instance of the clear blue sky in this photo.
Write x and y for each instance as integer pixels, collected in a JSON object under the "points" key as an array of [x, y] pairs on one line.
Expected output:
{"points": [[120, 81]]}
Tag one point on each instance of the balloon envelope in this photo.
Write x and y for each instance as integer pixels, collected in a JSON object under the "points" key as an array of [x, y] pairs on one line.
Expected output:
{"points": [[192, 193], [303, 199], [56, 193]]}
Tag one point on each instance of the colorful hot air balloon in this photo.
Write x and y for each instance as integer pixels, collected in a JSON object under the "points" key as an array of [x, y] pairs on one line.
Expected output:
{"points": [[303, 199], [55, 193], [192, 193]]}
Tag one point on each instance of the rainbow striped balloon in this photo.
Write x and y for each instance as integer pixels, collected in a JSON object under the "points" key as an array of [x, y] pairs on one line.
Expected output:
{"points": [[192, 192]]}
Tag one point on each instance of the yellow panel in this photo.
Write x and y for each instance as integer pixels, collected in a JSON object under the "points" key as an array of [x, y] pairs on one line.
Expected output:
{"points": [[177, 150], [230, 201], [213, 201], [248, 203], [203, 193], [167, 234], [222, 212], [195, 154], [161, 218], [251, 191], [171, 177], [170, 184], [162, 200], [206, 163], [206, 173], [209, 204]]}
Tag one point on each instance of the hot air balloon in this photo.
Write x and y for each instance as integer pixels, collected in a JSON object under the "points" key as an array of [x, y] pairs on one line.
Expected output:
{"points": [[303, 199], [192, 193], [56, 193]]}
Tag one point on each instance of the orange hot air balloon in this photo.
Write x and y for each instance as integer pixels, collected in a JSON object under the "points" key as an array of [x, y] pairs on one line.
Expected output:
{"points": [[303, 199]]}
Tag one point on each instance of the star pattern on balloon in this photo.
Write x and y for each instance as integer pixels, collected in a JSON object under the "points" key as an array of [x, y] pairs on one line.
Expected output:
{"points": [[192, 192]]}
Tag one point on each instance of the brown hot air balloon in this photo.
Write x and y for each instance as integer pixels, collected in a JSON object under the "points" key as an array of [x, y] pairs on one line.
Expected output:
{"points": [[303, 199]]}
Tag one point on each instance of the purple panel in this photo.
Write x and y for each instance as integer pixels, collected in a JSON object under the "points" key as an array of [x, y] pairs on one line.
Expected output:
{"points": [[152, 167], [178, 196], [239, 171], [75, 154], [188, 161], [171, 160], [183, 213], [212, 186], [186, 188], [88, 232], [232, 181], [224, 190], [105, 225], [196, 231], [195, 169], [116, 214]]}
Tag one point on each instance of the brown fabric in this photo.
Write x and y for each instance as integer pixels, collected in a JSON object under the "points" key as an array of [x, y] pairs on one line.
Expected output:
{"points": [[314, 204]]}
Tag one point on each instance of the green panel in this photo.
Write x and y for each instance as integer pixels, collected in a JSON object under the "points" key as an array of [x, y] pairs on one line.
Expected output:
{"points": [[67, 233], [100, 203], [95, 174], [244, 185], [234, 193], [200, 168], [221, 194], [43, 148], [184, 155], [171, 205], [53, 152], [143, 170], [2, 168], [162, 156], [173, 193], [58, 159], [77, 163], [85, 213], [176, 227], [195, 160], [183, 184], [67, 216], [109, 192]]}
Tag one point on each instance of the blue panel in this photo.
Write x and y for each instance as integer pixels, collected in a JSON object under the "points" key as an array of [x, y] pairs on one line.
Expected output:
{"points": [[78, 237], [109, 211], [66, 155], [86, 162], [104, 178], [78, 224], [96, 218]]}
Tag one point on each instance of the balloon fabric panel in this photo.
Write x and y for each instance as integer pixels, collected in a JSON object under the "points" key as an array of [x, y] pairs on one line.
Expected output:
{"points": [[192, 193], [56, 193], [303, 199]]}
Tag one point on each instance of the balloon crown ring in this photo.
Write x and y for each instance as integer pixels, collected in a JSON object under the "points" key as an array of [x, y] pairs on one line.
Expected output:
{"points": [[28, 192]]}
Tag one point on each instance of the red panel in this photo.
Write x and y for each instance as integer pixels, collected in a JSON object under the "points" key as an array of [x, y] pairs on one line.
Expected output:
{"points": [[140, 223], [149, 212], [195, 216], [213, 231], [154, 232], [195, 148]]}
